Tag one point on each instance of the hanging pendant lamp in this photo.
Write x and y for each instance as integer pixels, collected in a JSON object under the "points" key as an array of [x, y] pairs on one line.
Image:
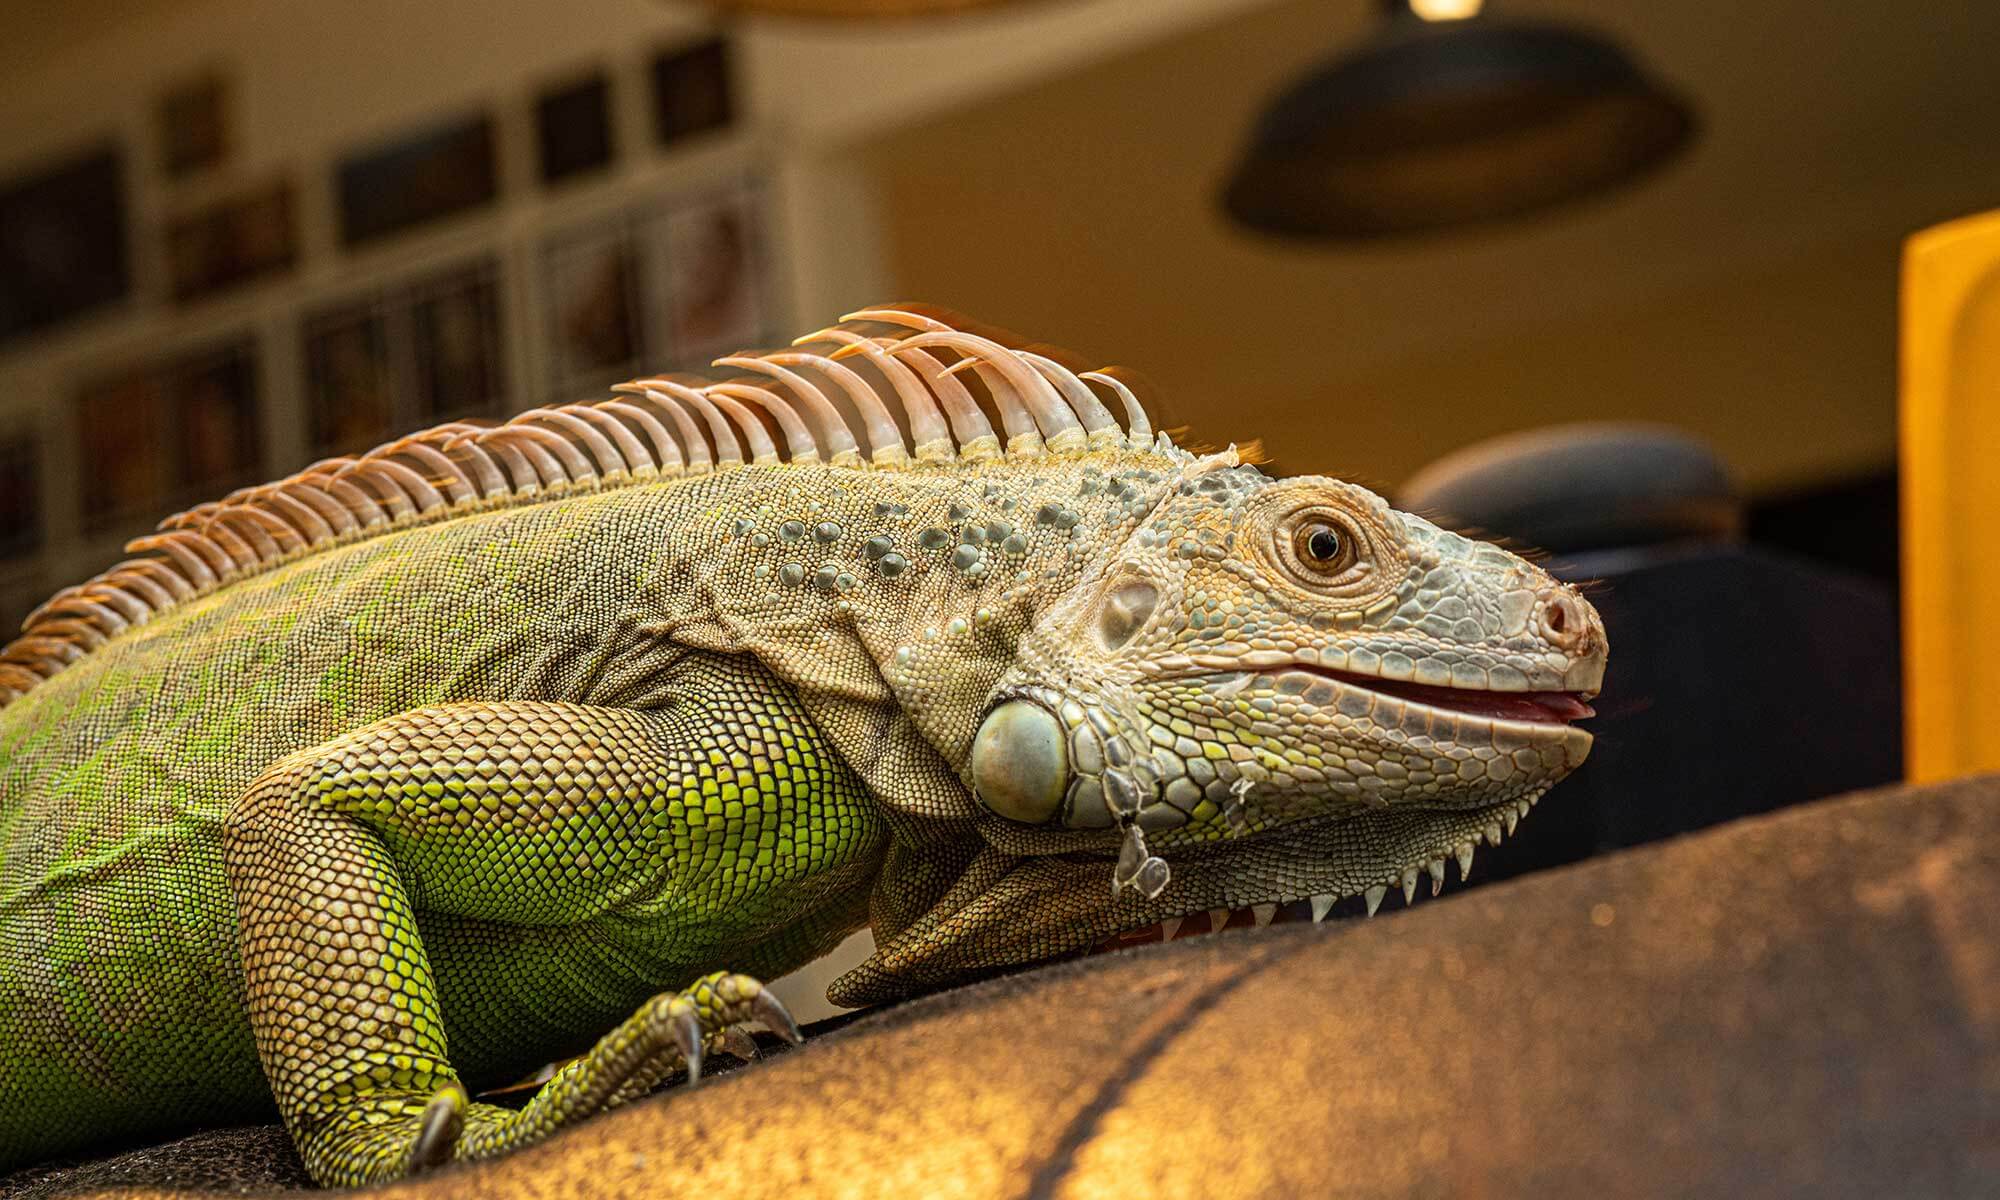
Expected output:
{"points": [[1449, 118]]}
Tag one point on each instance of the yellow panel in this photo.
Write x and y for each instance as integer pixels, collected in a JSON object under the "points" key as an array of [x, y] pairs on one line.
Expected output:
{"points": [[1951, 498]]}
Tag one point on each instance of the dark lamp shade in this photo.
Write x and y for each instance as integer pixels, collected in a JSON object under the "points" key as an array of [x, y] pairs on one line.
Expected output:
{"points": [[1433, 126]]}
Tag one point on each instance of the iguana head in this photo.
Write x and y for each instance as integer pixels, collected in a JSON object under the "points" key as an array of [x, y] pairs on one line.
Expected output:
{"points": [[1273, 691]]}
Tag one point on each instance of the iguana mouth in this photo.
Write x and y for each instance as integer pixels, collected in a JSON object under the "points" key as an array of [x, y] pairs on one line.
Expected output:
{"points": [[1539, 708]]}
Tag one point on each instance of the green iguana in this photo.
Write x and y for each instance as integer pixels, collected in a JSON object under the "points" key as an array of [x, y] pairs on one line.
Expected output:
{"points": [[432, 765]]}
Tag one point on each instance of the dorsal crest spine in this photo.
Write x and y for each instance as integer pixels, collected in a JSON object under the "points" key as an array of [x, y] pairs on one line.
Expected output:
{"points": [[651, 429]]}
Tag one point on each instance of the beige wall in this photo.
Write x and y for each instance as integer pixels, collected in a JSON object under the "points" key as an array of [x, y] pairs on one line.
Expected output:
{"points": [[1747, 293]]}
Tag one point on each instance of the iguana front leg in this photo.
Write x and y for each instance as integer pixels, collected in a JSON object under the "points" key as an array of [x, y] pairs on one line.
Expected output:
{"points": [[520, 815]]}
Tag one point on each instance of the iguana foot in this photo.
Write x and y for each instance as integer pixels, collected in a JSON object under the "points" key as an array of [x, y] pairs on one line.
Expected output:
{"points": [[671, 1031], [709, 1013]]}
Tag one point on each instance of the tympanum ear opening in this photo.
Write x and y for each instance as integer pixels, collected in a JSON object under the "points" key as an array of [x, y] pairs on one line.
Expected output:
{"points": [[1124, 611]]}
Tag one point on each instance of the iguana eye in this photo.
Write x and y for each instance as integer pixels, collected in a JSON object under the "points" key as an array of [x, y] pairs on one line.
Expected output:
{"points": [[1323, 547]]}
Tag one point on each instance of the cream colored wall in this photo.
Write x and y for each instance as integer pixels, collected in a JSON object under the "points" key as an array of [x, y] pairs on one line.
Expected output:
{"points": [[1747, 292]]}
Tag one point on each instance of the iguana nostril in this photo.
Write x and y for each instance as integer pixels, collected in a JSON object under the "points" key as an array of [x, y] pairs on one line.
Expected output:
{"points": [[1565, 619], [1020, 762]]}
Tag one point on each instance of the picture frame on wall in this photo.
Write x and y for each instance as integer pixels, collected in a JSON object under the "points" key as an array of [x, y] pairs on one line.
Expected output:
{"points": [[63, 242], [192, 124], [692, 92], [426, 176], [122, 427], [350, 394], [715, 288], [573, 128], [415, 353], [235, 241], [168, 433], [668, 286], [461, 367], [20, 493], [596, 327], [214, 405]]}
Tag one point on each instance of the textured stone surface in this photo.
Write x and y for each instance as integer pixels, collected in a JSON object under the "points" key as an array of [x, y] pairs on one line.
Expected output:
{"points": [[1802, 1004]]}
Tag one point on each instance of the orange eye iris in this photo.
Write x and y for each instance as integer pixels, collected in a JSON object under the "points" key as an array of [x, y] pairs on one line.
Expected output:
{"points": [[1326, 549]]}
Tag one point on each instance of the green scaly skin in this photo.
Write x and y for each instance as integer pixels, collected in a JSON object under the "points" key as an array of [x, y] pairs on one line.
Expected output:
{"points": [[521, 772]]}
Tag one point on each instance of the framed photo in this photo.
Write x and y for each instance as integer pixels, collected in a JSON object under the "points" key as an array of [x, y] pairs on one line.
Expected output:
{"points": [[573, 128], [350, 395], [122, 427], [20, 494], [424, 177], [214, 404], [233, 242], [167, 434], [597, 320], [691, 91], [715, 289], [409, 356], [62, 243], [669, 287], [455, 327], [193, 125]]}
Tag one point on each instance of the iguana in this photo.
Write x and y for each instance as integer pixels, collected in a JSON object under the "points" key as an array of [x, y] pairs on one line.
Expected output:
{"points": [[418, 769]]}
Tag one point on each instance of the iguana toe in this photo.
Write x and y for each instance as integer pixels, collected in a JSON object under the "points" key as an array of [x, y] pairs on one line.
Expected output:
{"points": [[686, 1028], [705, 1016], [438, 1130], [772, 1012]]}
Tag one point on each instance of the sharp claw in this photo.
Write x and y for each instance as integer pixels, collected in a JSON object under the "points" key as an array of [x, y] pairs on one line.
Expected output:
{"points": [[438, 1130], [738, 1041], [687, 1036], [771, 1011]]}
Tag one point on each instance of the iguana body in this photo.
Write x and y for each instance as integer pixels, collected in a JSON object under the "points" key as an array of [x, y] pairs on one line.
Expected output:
{"points": [[578, 721]]}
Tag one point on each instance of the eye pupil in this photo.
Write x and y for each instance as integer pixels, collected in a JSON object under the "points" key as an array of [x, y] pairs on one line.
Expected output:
{"points": [[1323, 545]]}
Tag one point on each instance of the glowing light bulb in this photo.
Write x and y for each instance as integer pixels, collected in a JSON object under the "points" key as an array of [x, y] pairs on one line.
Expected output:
{"points": [[1446, 10]]}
